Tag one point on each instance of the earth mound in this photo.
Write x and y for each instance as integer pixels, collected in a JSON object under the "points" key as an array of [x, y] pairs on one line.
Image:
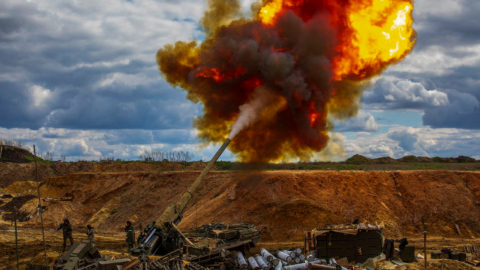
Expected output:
{"points": [[14, 154], [282, 203]]}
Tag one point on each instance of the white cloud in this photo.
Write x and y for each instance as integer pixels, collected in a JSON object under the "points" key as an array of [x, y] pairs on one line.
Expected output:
{"points": [[402, 94], [126, 80], [123, 144], [40, 95], [401, 140], [363, 122], [439, 61]]}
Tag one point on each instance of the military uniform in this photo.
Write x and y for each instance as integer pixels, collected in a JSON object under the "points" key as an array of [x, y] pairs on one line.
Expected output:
{"points": [[91, 235], [130, 236], [67, 230]]}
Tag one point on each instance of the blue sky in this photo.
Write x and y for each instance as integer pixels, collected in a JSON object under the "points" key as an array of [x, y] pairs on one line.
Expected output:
{"points": [[79, 78]]}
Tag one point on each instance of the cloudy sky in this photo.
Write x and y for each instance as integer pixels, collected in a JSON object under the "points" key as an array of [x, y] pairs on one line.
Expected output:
{"points": [[79, 78]]}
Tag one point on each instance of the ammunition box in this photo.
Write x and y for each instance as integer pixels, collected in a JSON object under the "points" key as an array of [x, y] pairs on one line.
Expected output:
{"points": [[408, 254]]}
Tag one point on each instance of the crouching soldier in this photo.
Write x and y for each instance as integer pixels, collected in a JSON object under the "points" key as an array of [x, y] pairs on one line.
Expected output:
{"points": [[67, 230], [91, 235], [130, 235]]}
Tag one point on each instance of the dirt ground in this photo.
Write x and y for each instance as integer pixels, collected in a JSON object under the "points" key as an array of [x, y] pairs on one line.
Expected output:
{"points": [[282, 204], [113, 244], [31, 249]]}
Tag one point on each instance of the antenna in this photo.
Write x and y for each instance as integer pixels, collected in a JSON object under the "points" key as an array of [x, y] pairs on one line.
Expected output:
{"points": [[40, 210]]}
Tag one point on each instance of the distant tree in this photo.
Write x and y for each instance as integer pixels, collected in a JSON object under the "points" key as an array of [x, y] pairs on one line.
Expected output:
{"points": [[10, 142], [170, 156], [107, 159], [48, 156]]}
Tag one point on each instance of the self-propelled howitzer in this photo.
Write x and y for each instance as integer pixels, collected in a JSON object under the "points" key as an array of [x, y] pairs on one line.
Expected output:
{"points": [[162, 236]]}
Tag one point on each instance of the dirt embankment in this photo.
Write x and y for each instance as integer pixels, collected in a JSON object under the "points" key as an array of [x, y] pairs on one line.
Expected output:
{"points": [[282, 204], [12, 172]]}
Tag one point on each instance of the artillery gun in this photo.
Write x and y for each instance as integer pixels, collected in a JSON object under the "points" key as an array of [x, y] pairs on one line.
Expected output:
{"points": [[163, 236]]}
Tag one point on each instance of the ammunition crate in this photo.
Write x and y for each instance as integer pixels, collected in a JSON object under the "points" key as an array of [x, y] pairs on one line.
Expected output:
{"points": [[408, 254], [365, 244]]}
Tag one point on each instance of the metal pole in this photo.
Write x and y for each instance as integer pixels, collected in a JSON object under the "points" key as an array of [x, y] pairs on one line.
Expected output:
{"points": [[16, 238], [40, 205]]}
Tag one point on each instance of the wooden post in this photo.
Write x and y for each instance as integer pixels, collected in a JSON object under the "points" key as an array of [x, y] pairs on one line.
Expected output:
{"points": [[40, 210], [16, 238]]}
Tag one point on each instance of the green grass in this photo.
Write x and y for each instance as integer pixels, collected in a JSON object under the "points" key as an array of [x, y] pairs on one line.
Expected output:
{"points": [[330, 166], [40, 160], [341, 166]]}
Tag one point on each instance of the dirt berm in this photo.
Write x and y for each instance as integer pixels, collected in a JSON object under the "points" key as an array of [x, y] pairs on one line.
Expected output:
{"points": [[12, 172], [282, 204]]}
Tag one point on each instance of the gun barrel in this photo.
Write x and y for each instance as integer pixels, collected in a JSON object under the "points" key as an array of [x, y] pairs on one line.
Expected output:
{"points": [[173, 211]]}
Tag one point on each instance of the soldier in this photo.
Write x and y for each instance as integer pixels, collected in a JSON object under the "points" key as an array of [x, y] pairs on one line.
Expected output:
{"points": [[141, 236], [91, 235], [67, 229], [130, 235]]}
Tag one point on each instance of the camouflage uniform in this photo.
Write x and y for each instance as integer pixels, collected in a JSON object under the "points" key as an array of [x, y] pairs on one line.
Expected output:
{"points": [[130, 236], [67, 230], [91, 235]]}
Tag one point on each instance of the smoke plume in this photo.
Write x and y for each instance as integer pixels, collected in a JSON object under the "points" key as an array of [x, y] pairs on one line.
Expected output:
{"points": [[250, 111], [274, 80]]}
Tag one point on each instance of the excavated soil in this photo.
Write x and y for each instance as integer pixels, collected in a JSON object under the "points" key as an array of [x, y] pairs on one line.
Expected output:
{"points": [[13, 172], [281, 204]]}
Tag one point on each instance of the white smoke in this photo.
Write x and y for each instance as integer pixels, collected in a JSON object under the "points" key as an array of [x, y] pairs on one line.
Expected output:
{"points": [[261, 98]]}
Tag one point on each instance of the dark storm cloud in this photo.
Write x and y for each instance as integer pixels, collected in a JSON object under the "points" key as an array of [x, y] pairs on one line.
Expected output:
{"points": [[463, 111], [447, 23], [447, 56], [64, 66]]}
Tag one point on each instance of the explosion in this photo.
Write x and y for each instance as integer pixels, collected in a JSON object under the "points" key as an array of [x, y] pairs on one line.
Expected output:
{"points": [[273, 81]]}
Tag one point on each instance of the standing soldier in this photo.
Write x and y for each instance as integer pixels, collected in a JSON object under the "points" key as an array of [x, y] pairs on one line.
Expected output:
{"points": [[130, 235], [91, 235], [67, 229]]}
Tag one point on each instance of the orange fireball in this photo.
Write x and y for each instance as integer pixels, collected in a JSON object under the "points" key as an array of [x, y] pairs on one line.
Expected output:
{"points": [[311, 58], [372, 33]]}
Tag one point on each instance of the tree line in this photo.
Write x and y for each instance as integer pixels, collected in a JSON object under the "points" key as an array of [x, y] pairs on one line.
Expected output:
{"points": [[171, 156]]}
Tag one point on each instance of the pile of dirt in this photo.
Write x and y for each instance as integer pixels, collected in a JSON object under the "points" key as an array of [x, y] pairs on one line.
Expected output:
{"points": [[282, 203], [16, 201], [14, 154]]}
